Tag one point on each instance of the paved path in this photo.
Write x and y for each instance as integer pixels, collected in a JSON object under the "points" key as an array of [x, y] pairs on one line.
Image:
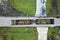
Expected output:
{"points": [[39, 8], [42, 31]]}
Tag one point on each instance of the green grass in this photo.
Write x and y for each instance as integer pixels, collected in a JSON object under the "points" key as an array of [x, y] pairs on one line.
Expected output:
{"points": [[51, 31], [19, 33], [54, 32], [26, 6], [49, 8]]}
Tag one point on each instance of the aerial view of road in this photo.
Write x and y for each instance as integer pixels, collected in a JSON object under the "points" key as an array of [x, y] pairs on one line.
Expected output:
{"points": [[8, 10], [27, 33]]}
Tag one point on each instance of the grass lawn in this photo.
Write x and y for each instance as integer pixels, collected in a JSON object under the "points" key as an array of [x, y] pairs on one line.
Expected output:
{"points": [[53, 32], [49, 8], [26, 6], [19, 33]]}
